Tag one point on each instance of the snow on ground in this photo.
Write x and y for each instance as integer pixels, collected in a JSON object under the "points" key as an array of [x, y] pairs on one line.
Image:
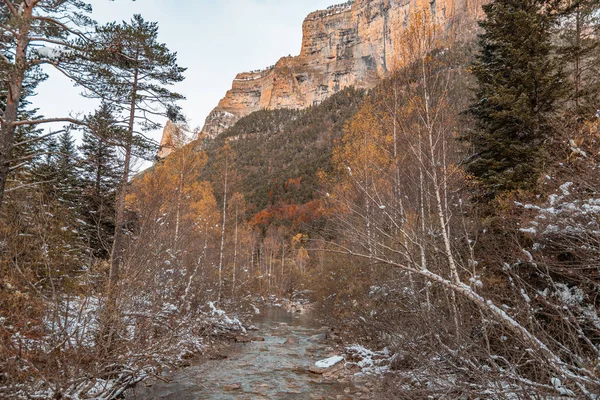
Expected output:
{"points": [[571, 213], [78, 326], [329, 362], [299, 303], [370, 362], [223, 322], [565, 212]]}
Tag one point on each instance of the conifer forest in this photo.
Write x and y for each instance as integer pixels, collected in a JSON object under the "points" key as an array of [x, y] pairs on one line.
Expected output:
{"points": [[409, 209]]}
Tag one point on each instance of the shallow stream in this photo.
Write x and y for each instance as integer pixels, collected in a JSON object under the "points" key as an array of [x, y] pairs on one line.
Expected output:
{"points": [[275, 368]]}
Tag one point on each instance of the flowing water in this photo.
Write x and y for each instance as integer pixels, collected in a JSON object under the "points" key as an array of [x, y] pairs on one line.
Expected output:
{"points": [[273, 369]]}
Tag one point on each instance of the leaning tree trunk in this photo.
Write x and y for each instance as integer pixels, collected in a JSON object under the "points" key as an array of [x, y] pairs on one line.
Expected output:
{"points": [[583, 378]]}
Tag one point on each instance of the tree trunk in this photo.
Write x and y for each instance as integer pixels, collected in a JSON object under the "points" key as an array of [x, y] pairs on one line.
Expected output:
{"points": [[438, 199], [223, 231], [582, 378], [282, 266], [179, 200], [13, 101], [235, 251], [117, 251], [7, 138]]}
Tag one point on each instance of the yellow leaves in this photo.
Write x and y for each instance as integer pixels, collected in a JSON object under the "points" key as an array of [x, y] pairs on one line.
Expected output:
{"points": [[147, 189], [302, 258], [202, 207], [186, 163], [422, 36], [364, 145], [173, 188], [131, 201], [299, 239], [322, 177]]}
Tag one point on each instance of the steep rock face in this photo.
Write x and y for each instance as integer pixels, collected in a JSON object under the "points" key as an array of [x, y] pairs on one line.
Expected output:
{"points": [[174, 137], [355, 43], [167, 142]]}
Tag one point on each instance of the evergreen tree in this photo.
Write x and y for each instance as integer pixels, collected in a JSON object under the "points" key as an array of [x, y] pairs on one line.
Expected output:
{"points": [[27, 151], [60, 209], [518, 84], [34, 34], [580, 50], [28, 140], [46, 170], [100, 171], [66, 171], [132, 70], [57, 170]]}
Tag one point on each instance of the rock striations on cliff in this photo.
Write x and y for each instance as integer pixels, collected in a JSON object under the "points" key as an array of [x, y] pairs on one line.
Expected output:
{"points": [[174, 136], [351, 44]]}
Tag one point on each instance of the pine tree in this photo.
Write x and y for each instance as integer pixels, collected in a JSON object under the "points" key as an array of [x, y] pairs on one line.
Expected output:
{"points": [[34, 34], [100, 171], [580, 50], [518, 85], [27, 151], [45, 171], [57, 169], [66, 171], [132, 71]]}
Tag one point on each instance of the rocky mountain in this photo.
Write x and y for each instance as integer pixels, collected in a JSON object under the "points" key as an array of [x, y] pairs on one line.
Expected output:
{"points": [[352, 44], [167, 143], [174, 136]]}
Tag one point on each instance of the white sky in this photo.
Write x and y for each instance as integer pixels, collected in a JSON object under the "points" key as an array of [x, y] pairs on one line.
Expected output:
{"points": [[214, 39]]}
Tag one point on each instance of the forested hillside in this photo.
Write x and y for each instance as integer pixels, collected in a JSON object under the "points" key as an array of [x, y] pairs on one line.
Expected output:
{"points": [[445, 223], [279, 155]]}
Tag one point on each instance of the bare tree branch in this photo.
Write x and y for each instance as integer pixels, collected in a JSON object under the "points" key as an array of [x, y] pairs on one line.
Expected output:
{"points": [[48, 121]]}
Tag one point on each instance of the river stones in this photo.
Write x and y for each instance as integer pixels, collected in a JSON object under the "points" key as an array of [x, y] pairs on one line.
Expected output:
{"points": [[327, 366], [313, 349], [291, 340], [319, 338], [248, 339]]}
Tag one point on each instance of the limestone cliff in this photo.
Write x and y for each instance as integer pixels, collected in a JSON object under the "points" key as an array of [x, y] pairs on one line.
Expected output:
{"points": [[174, 137], [355, 43]]}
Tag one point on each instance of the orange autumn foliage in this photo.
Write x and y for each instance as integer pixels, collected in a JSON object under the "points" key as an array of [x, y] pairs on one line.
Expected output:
{"points": [[294, 215]]}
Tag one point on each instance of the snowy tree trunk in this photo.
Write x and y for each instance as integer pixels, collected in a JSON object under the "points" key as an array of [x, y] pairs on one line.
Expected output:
{"points": [[235, 252], [584, 379], [222, 248]]}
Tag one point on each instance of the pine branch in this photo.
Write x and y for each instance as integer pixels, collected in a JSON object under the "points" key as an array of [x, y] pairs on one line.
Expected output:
{"points": [[48, 121], [63, 26], [37, 139], [28, 185], [11, 7]]}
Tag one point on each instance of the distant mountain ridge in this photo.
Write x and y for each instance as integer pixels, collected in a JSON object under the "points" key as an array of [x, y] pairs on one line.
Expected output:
{"points": [[352, 44]]}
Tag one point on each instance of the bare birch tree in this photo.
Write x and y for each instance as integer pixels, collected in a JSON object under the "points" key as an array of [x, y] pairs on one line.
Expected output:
{"points": [[429, 243]]}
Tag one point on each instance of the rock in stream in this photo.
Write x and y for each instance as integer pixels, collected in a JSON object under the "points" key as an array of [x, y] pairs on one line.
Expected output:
{"points": [[273, 364]]}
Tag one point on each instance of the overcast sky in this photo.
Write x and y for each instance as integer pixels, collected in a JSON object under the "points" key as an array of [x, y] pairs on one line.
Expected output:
{"points": [[214, 39]]}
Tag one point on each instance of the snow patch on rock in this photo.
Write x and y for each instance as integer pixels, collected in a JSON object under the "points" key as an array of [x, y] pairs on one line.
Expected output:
{"points": [[329, 362]]}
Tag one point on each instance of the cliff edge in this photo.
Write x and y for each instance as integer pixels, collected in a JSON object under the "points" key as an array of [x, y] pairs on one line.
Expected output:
{"points": [[351, 44]]}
